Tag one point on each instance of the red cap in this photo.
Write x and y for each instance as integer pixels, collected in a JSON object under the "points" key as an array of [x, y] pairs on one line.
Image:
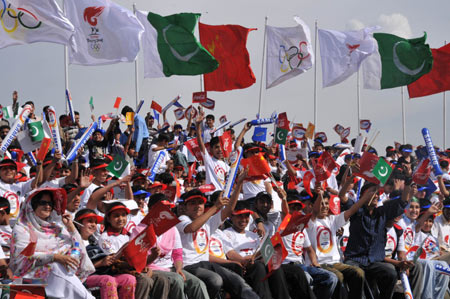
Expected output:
{"points": [[195, 197], [119, 207], [90, 215], [243, 211]]}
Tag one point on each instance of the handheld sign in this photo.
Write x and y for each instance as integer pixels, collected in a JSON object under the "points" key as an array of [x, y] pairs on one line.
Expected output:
{"points": [[199, 97], [431, 152], [70, 105]]}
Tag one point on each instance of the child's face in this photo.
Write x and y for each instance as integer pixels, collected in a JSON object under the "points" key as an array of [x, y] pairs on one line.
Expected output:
{"points": [[118, 219], [240, 222], [324, 208], [414, 210], [428, 224], [195, 208], [4, 218]]}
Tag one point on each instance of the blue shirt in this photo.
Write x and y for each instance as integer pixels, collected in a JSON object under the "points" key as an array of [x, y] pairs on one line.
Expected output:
{"points": [[367, 238]]}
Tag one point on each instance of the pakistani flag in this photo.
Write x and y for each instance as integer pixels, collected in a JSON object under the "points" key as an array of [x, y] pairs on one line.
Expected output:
{"points": [[91, 103], [170, 47], [397, 62], [281, 135], [382, 171], [119, 167], [8, 112], [267, 249], [36, 131]]}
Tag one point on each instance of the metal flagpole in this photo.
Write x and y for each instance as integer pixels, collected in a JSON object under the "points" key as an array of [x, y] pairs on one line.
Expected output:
{"points": [[262, 69], [66, 70], [444, 109], [315, 76], [358, 101], [136, 70], [403, 117]]}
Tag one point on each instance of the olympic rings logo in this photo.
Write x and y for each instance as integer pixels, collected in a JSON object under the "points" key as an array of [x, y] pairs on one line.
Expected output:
{"points": [[294, 57], [17, 17]]}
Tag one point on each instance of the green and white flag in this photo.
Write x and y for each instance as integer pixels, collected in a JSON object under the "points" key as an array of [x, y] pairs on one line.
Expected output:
{"points": [[382, 171], [8, 112], [397, 61], [119, 167], [91, 103], [36, 131], [267, 249], [170, 47], [281, 135]]}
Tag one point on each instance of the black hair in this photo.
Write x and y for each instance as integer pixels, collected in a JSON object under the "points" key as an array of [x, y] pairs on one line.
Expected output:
{"points": [[213, 197], [5, 127], [163, 137], [215, 140], [125, 110], [443, 164], [35, 200], [210, 116], [165, 178], [366, 187], [5, 203], [154, 198], [200, 176], [77, 113]]}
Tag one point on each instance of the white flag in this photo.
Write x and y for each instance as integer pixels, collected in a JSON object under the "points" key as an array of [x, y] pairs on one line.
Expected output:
{"points": [[31, 21], [106, 33], [289, 52], [343, 52]]}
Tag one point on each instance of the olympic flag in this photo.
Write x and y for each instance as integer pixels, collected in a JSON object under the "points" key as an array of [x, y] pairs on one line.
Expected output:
{"points": [[289, 52], [31, 21]]}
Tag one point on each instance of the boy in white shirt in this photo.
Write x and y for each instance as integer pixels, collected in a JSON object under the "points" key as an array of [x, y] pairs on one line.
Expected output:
{"points": [[216, 169], [161, 145], [244, 244], [195, 229], [322, 229]]}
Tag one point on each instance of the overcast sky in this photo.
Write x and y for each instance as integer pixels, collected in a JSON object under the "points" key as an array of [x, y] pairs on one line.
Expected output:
{"points": [[37, 70]]}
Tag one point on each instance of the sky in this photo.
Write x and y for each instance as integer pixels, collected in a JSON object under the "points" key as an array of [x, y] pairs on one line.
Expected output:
{"points": [[36, 71]]}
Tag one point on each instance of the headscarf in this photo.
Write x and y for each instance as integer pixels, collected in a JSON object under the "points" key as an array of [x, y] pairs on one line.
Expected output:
{"points": [[51, 237]]}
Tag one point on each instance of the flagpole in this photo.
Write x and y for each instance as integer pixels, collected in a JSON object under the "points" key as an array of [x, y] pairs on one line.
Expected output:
{"points": [[444, 109], [262, 69], [315, 76], [66, 69], [136, 70], [403, 116], [358, 104]]}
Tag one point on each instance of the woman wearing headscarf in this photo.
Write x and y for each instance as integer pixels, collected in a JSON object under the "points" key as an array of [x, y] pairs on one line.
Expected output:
{"points": [[41, 244]]}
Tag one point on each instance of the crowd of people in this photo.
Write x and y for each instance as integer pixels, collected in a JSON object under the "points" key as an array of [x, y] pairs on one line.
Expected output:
{"points": [[357, 240]]}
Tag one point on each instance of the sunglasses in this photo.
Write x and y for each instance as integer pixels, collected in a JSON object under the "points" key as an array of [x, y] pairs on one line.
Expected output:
{"points": [[44, 203]]}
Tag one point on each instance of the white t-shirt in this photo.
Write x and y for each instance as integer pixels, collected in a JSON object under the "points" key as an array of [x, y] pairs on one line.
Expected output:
{"points": [[86, 194], [270, 225], [294, 244], [441, 231], [111, 243], [196, 245], [251, 188], [409, 231], [55, 183], [216, 171], [15, 194], [430, 246], [391, 242], [322, 234], [219, 244], [245, 244], [153, 155]]}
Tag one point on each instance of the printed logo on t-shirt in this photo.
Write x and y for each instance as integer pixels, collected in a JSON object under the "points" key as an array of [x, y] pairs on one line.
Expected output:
{"points": [[324, 239], [412, 251], [343, 243], [6, 238], [215, 248], [409, 238], [390, 245], [220, 173], [430, 247], [200, 240], [13, 199], [298, 239]]}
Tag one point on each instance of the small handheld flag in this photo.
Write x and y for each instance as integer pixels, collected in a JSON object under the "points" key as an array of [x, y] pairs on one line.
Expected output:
{"points": [[91, 103], [69, 104], [117, 103], [155, 106]]}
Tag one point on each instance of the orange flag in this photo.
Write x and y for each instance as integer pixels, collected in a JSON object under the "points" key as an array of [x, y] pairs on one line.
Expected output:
{"points": [[117, 103]]}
